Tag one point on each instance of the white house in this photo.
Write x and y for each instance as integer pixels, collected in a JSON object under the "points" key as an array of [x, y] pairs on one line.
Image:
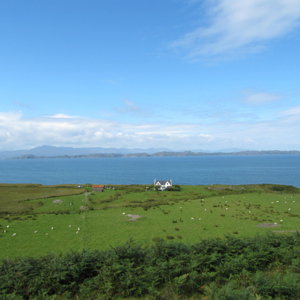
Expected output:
{"points": [[163, 184]]}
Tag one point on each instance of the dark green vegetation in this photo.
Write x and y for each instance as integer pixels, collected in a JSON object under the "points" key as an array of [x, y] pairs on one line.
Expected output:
{"points": [[264, 267]]}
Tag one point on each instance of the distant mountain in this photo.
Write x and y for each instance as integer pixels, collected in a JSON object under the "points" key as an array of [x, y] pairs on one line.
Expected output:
{"points": [[69, 152], [52, 151]]}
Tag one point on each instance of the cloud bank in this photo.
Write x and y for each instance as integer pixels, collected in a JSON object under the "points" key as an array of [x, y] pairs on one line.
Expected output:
{"points": [[240, 26], [19, 132]]}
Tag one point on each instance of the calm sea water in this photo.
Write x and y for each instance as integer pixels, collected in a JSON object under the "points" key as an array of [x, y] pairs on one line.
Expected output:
{"points": [[280, 169]]}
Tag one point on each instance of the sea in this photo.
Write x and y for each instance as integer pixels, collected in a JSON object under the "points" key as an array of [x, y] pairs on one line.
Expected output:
{"points": [[188, 170]]}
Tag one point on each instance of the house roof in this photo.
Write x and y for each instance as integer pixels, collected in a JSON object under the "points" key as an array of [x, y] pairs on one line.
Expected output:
{"points": [[163, 182], [98, 186]]}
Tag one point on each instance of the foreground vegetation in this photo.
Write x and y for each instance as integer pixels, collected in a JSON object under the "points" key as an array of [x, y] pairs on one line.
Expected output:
{"points": [[263, 267]]}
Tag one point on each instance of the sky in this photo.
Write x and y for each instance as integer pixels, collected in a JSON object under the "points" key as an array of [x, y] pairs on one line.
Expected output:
{"points": [[176, 74]]}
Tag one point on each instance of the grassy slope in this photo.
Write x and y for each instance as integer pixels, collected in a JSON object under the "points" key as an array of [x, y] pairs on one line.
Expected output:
{"points": [[14, 197], [197, 212]]}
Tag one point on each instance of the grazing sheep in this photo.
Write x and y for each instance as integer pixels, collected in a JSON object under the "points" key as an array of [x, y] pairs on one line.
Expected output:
{"points": [[14, 234]]}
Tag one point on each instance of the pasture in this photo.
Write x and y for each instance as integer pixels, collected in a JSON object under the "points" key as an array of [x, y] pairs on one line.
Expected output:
{"points": [[36, 220]]}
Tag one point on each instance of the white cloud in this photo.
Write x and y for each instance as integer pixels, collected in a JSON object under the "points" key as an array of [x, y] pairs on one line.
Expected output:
{"points": [[19, 132], [129, 106], [240, 25], [61, 116], [292, 111], [260, 97]]}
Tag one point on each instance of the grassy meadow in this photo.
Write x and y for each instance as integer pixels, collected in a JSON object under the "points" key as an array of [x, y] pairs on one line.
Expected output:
{"points": [[36, 220]]}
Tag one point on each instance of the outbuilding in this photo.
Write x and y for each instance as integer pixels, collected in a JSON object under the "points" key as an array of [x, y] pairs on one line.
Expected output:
{"points": [[98, 187]]}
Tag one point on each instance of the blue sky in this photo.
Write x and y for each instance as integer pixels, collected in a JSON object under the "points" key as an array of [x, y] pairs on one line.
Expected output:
{"points": [[179, 74]]}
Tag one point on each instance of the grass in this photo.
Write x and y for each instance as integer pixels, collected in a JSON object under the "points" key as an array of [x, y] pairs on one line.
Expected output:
{"points": [[194, 213], [14, 198]]}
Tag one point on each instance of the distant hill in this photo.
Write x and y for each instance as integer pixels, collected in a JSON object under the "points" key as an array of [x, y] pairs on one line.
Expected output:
{"points": [[52, 151], [69, 152]]}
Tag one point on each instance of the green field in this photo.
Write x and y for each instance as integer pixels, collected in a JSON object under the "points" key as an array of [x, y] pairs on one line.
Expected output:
{"points": [[36, 220]]}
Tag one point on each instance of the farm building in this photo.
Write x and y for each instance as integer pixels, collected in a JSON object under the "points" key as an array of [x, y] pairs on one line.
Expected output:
{"points": [[98, 187], [163, 184]]}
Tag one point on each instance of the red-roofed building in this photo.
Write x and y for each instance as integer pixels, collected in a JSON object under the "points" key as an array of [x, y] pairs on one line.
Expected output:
{"points": [[98, 187]]}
